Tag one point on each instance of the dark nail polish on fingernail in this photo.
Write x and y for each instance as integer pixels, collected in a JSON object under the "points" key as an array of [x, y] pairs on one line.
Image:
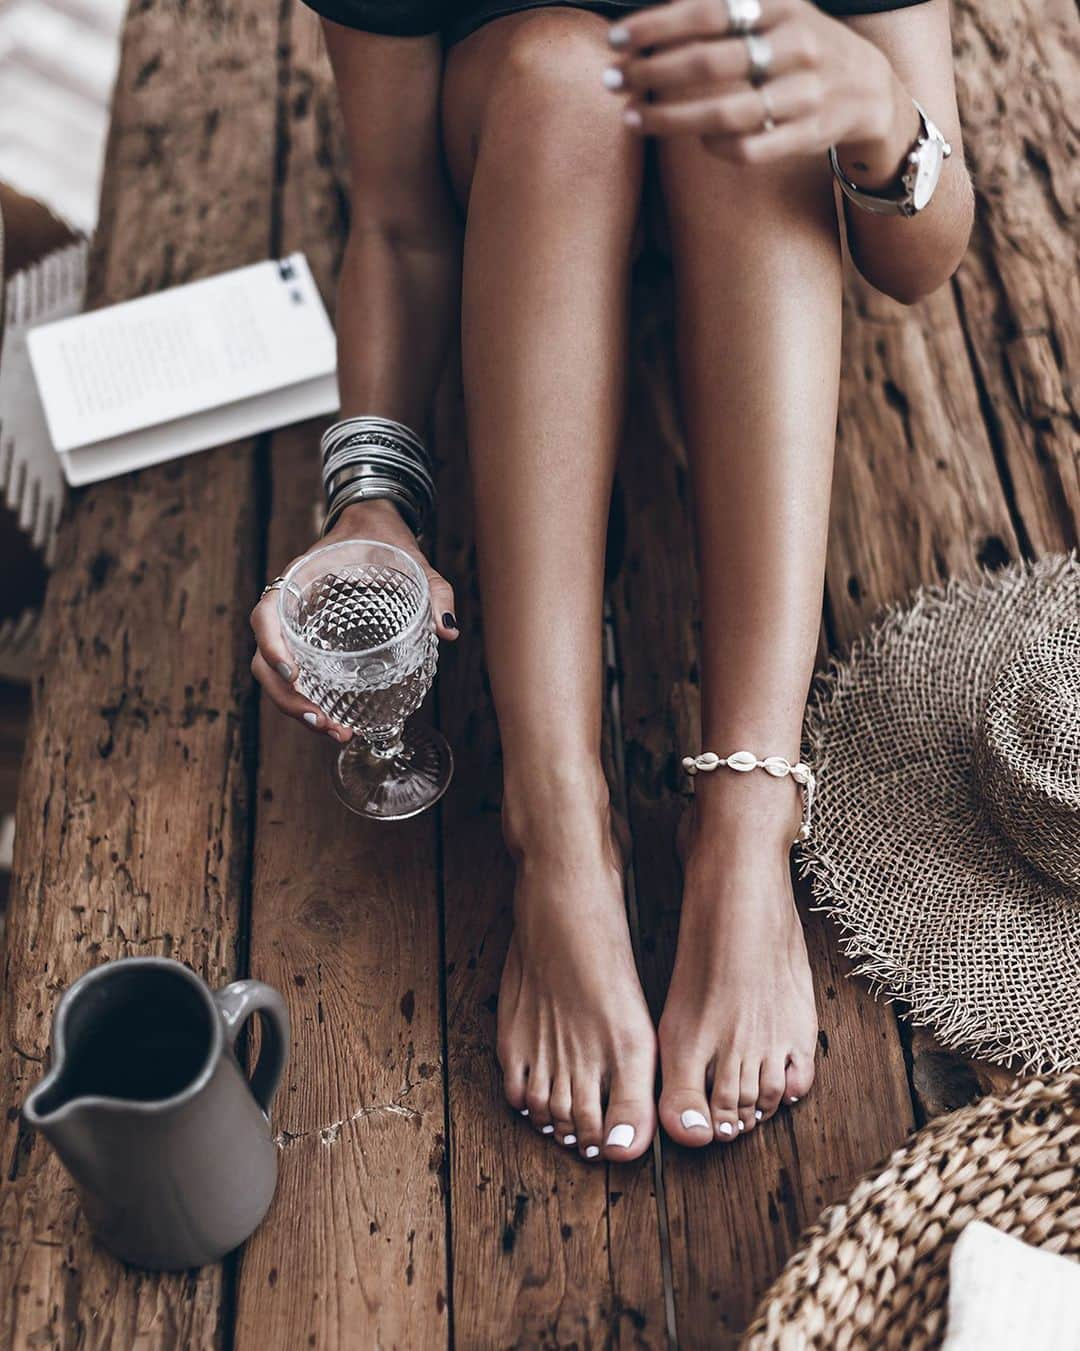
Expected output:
{"points": [[284, 670], [449, 621]]}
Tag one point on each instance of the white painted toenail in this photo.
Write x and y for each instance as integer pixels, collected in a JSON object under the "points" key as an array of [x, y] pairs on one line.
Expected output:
{"points": [[569, 1139], [524, 1111], [742, 1125], [726, 1128], [591, 1151], [547, 1130], [692, 1120], [621, 1136], [793, 1099], [613, 78], [758, 1114]]}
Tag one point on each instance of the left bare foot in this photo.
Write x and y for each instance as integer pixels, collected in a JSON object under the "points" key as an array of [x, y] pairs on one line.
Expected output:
{"points": [[739, 1027]]}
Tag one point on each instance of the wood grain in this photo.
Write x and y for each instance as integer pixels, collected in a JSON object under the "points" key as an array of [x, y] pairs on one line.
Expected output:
{"points": [[1019, 286], [345, 922], [132, 826]]}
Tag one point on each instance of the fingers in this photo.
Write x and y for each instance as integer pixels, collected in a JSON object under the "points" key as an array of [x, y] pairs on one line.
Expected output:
{"points": [[711, 64], [442, 603], [685, 21], [271, 644], [741, 114], [282, 694]]}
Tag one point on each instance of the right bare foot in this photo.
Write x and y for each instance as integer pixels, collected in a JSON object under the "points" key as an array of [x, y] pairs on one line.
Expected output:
{"points": [[576, 1043]]}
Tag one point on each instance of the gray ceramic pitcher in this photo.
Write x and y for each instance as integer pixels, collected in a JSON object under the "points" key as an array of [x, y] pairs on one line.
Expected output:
{"points": [[151, 1114]]}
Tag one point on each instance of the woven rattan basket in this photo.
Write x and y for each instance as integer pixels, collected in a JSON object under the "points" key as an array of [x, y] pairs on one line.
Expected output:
{"points": [[872, 1274]]}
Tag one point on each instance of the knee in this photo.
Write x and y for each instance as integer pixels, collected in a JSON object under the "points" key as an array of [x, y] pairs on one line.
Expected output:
{"points": [[548, 93]]}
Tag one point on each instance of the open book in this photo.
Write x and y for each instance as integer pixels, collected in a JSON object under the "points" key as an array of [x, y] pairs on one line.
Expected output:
{"points": [[185, 369]]}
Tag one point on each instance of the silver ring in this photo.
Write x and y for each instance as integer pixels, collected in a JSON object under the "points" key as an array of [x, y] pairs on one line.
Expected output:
{"points": [[760, 52], [743, 16], [768, 120], [275, 585]]}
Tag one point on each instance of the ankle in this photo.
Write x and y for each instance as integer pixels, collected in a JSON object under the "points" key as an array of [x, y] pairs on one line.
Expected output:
{"points": [[550, 802], [733, 809]]}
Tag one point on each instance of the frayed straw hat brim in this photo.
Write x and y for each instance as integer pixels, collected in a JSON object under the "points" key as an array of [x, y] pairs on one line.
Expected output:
{"points": [[940, 910]]}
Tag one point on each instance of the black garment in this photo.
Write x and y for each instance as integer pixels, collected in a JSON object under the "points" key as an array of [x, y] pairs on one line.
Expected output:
{"points": [[456, 19]]}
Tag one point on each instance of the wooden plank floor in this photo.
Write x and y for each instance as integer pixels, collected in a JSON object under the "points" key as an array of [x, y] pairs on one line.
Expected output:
{"points": [[160, 811]]}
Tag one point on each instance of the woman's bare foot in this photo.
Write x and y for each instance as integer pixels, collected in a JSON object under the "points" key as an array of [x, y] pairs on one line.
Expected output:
{"points": [[739, 1027], [576, 1043]]}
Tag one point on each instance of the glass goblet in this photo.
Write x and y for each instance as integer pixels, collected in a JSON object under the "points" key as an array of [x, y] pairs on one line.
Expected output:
{"points": [[357, 618]]}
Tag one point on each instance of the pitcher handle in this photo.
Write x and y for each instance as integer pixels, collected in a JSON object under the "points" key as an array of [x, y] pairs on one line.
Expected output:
{"points": [[236, 1003]]}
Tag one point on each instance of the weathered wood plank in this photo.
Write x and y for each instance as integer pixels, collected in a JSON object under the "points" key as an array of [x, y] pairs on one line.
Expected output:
{"points": [[345, 922], [734, 1213], [547, 1251], [132, 827], [916, 496], [1019, 287]]}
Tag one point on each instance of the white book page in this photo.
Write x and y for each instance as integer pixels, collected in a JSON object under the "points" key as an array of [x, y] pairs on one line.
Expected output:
{"points": [[187, 350]]}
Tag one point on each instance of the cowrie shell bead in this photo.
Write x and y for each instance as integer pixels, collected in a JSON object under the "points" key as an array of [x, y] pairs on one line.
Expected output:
{"points": [[800, 773], [742, 761], [776, 765], [689, 764], [708, 760]]}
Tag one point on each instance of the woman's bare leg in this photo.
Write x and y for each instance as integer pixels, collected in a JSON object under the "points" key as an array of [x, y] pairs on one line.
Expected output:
{"points": [[757, 264], [552, 181]]}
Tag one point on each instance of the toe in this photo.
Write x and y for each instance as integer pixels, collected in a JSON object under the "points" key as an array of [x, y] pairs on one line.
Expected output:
{"points": [[538, 1103], [771, 1084], [630, 1119], [561, 1107], [515, 1083], [684, 1109], [799, 1077], [749, 1083], [724, 1102], [588, 1119]]}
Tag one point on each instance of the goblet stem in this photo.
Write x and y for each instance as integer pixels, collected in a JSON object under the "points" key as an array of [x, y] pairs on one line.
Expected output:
{"points": [[384, 745]]}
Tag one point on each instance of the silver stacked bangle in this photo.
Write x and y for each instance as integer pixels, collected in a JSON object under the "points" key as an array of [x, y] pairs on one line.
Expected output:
{"points": [[364, 458]]}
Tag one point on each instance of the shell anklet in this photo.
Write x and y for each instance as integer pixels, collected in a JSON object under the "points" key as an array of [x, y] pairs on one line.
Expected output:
{"points": [[776, 765]]}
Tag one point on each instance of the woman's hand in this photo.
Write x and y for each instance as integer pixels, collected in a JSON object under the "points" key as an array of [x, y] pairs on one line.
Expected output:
{"points": [[273, 665], [826, 85]]}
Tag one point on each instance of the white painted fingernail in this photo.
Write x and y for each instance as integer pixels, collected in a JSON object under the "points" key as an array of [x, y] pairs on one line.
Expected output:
{"points": [[547, 1130], [312, 719], [742, 1125], [621, 1136], [618, 36], [693, 1120], [613, 78], [569, 1139], [284, 670], [726, 1128], [591, 1151], [758, 1114], [524, 1111]]}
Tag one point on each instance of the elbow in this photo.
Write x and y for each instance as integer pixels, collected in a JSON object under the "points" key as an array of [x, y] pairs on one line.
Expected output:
{"points": [[912, 287], [911, 279]]}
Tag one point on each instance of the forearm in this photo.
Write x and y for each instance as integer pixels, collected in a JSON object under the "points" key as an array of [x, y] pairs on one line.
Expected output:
{"points": [[905, 256], [397, 302]]}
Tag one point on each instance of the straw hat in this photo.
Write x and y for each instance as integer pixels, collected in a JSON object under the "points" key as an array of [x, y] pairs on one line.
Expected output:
{"points": [[947, 832]]}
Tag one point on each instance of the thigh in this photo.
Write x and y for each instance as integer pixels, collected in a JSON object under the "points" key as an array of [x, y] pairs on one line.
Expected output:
{"points": [[388, 88], [712, 207], [534, 78]]}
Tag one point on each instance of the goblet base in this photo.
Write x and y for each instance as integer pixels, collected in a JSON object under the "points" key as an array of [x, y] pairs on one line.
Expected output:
{"points": [[398, 786]]}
